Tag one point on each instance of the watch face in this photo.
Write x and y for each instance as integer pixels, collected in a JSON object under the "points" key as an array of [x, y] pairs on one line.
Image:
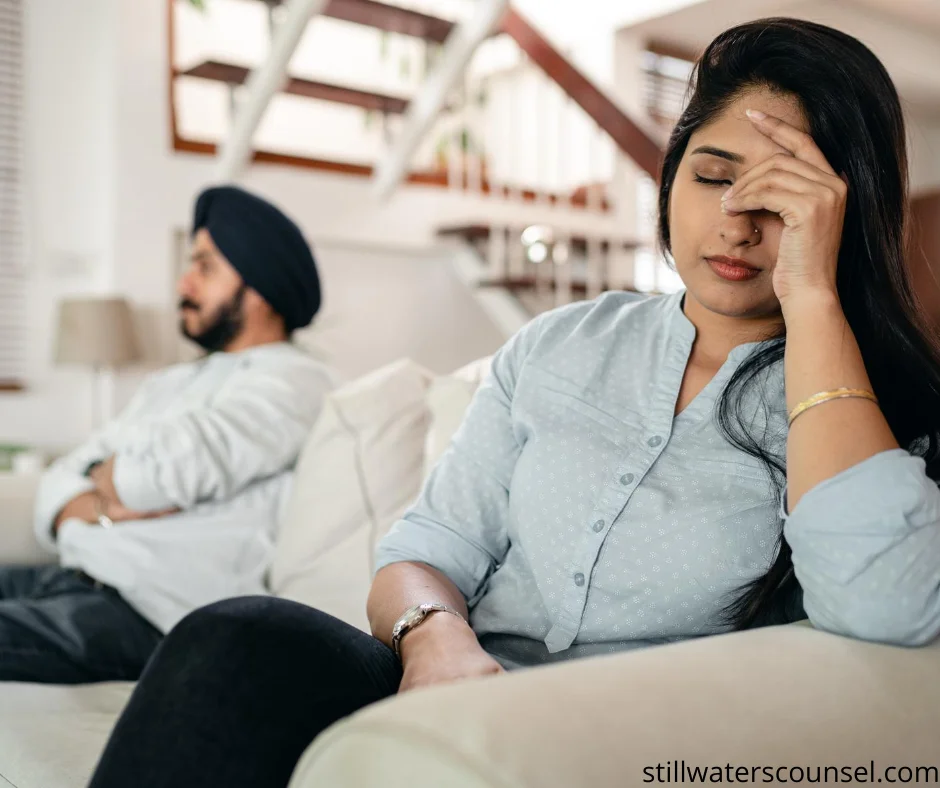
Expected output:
{"points": [[413, 616]]}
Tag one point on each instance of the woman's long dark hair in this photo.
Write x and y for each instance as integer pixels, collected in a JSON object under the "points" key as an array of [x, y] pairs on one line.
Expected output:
{"points": [[855, 117]]}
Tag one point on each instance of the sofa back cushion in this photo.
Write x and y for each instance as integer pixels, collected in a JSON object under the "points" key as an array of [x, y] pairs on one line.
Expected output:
{"points": [[360, 469]]}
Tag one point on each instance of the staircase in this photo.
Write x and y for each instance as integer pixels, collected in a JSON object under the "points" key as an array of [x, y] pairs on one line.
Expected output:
{"points": [[526, 140]]}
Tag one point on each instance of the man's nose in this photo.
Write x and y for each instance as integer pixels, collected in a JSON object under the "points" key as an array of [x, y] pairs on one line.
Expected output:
{"points": [[184, 288]]}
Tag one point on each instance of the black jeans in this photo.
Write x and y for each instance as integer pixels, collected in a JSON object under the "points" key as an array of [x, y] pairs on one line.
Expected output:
{"points": [[58, 626], [237, 691]]}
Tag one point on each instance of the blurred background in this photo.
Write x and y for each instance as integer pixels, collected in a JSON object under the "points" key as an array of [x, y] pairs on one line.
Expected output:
{"points": [[458, 165]]}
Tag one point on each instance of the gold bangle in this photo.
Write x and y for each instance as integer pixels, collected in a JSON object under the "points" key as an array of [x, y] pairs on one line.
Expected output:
{"points": [[825, 396]]}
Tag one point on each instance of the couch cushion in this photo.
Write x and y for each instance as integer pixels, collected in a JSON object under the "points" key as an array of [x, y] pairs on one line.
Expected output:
{"points": [[17, 543], [786, 696], [359, 471], [50, 736]]}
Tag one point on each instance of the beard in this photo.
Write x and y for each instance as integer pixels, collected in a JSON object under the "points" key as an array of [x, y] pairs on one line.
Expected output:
{"points": [[224, 326]]}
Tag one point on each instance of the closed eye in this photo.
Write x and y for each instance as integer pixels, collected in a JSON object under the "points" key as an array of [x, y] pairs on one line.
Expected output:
{"points": [[711, 182]]}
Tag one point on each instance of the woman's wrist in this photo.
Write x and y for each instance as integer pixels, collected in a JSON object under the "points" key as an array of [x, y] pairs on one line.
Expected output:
{"points": [[436, 628], [811, 305]]}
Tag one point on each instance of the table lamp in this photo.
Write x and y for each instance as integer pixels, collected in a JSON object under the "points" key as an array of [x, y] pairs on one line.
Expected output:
{"points": [[96, 332]]}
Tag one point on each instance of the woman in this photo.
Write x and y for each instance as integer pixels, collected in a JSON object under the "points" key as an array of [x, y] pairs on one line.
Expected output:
{"points": [[619, 478]]}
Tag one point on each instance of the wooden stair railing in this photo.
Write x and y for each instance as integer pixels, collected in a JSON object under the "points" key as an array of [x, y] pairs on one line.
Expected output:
{"points": [[628, 136]]}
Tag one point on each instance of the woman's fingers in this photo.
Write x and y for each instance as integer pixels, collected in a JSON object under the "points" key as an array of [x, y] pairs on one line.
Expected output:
{"points": [[779, 181], [799, 143], [779, 161]]}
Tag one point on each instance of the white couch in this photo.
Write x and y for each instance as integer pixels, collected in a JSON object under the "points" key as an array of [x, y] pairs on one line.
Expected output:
{"points": [[780, 697]]}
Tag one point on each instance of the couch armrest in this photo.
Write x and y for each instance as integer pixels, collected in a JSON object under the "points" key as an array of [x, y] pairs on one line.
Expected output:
{"points": [[18, 546], [783, 696]]}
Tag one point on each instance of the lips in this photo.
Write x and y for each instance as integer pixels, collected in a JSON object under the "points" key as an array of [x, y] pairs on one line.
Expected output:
{"points": [[732, 269]]}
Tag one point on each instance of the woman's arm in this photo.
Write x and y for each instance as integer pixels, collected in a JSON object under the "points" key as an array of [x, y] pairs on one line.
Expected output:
{"points": [[443, 647], [864, 521], [456, 534], [400, 586], [822, 355]]}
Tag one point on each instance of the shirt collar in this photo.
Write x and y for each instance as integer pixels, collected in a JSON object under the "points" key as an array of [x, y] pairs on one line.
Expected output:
{"points": [[684, 328]]}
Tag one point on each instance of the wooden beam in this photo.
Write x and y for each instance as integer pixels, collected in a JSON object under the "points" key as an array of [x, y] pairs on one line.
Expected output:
{"points": [[628, 136], [530, 283], [417, 178], [238, 75], [391, 19]]}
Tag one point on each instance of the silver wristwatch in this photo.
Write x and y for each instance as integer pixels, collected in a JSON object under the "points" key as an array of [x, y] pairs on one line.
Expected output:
{"points": [[103, 520], [414, 616]]}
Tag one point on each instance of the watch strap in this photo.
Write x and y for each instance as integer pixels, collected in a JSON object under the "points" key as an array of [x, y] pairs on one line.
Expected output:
{"points": [[413, 617]]}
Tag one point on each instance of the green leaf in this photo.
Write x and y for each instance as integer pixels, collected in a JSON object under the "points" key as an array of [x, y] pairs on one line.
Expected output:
{"points": [[198, 4]]}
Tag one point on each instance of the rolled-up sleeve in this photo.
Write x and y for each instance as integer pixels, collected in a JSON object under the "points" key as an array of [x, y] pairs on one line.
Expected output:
{"points": [[254, 428], [458, 525], [866, 550]]}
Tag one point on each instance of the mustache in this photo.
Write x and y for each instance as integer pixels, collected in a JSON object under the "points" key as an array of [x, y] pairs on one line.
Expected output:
{"points": [[185, 303]]}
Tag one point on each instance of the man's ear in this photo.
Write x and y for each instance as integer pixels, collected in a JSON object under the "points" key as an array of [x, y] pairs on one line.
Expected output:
{"points": [[254, 303]]}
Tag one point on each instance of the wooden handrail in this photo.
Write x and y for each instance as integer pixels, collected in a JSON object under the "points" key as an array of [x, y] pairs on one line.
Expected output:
{"points": [[627, 135]]}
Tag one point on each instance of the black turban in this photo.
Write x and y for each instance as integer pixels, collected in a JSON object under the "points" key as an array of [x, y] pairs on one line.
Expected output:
{"points": [[266, 248]]}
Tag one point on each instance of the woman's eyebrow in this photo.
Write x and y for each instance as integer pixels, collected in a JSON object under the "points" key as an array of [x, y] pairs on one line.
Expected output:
{"points": [[722, 154]]}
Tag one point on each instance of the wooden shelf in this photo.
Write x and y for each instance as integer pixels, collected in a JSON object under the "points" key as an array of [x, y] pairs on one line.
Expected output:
{"points": [[528, 284], [476, 233], [232, 74]]}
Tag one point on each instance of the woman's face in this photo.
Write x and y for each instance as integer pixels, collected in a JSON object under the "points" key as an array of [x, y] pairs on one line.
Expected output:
{"points": [[716, 156]]}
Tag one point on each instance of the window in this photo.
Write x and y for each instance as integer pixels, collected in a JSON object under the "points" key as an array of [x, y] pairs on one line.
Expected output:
{"points": [[12, 271]]}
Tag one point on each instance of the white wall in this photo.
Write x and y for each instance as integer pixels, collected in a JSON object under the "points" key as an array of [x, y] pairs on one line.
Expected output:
{"points": [[70, 174]]}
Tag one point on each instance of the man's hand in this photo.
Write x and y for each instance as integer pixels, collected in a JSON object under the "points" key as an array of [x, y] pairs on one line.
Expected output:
{"points": [[443, 649], [89, 505], [120, 513], [82, 507], [103, 477]]}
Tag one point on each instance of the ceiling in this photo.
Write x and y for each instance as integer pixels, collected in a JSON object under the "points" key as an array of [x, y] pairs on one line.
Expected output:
{"points": [[904, 34]]}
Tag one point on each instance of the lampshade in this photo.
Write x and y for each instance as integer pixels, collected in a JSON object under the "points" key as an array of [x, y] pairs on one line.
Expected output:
{"points": [[96, 332]]}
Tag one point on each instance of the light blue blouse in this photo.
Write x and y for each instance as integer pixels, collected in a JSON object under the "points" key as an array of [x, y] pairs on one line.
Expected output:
{"points": [[578, 515]]}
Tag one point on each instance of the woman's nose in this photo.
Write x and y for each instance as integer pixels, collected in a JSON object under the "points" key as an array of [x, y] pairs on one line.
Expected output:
{"points": [[740, 230]]}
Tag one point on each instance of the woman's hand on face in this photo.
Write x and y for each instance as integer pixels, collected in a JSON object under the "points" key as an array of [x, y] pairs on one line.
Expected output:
{"points": [[441, 650], [809, 196]]}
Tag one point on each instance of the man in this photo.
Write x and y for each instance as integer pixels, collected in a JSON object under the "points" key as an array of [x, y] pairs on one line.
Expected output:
{"points": [[174, 504]]}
